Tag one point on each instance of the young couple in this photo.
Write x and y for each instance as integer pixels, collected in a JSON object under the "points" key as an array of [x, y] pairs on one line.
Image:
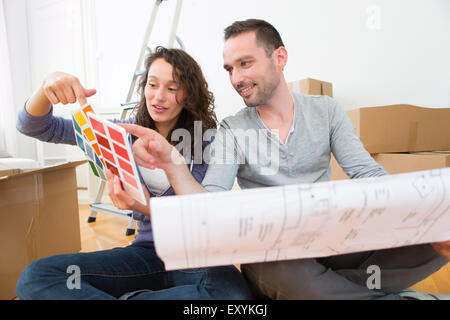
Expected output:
{"points": [[174, 95]]}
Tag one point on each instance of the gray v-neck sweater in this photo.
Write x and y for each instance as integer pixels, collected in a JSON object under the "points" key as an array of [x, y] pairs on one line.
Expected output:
{"points": [[246, 149]]}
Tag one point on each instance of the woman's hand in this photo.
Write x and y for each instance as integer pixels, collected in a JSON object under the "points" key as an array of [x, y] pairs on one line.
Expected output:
{"points": [[57, 87], [60, 87], [121, 199], [152, 150]]}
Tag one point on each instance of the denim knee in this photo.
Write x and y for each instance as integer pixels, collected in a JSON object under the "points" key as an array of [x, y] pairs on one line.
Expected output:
{"points": [[227, 283], [31, 280], [26, 277]]}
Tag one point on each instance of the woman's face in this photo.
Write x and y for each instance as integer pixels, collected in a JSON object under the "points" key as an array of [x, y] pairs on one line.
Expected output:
{"points": [[161, 94]]}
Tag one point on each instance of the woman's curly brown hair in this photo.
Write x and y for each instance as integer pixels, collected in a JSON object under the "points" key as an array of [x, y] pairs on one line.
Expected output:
{"points": [[198, 101]]}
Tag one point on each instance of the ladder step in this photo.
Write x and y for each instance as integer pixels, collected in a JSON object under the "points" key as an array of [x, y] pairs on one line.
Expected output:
{"points": [[128, 104], [111, 210]]}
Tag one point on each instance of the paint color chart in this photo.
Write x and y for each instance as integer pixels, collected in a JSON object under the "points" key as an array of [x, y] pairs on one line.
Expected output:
{"points": [[87, 141], [116, 153]]}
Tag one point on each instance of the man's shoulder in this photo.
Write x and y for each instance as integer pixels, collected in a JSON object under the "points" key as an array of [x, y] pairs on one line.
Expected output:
{"points": [[311, 100], [241, 120], [310, 105], [319, 107]]}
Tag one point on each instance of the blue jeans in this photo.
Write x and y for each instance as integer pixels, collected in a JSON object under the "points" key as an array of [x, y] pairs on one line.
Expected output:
{"points": [[133, 272]]}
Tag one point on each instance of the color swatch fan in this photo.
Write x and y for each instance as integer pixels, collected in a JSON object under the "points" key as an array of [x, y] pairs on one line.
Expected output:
{"points": [[87, 141], [116, 152]]}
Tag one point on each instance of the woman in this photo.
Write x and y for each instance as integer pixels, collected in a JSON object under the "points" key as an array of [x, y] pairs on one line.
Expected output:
{"points": [[174, 94]]}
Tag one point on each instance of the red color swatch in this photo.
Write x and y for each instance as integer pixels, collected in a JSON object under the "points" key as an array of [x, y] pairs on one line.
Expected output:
{"points": [[98, 126], [121, 151], [129, 180], [107, 155], [112, 168], [125, 165], [104, 142], [116, 136]]}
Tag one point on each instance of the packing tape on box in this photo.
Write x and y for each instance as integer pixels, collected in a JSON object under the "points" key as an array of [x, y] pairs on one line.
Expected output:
{"points": [[31, 235], [32, 232]]}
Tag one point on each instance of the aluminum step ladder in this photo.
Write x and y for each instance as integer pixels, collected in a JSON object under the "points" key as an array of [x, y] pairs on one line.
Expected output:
{"points": [[129, 106]]}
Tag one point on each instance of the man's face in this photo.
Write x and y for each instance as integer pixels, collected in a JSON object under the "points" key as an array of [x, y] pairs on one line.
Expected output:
{"points": [[252, 73]]}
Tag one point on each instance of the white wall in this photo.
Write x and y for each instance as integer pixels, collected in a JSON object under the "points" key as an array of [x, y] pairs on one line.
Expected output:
{"points": [[405, 61], [43, 36], [16, 27], [375, 52], [402, 58], [8, 141]]}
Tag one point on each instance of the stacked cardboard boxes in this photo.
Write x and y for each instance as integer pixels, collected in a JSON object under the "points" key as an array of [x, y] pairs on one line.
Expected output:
{"points": [[402, 138], [311, 86], [39, 217]]}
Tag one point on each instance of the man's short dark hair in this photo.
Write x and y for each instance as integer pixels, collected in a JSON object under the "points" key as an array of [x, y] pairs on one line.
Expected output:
{"points": [[266, 34]]}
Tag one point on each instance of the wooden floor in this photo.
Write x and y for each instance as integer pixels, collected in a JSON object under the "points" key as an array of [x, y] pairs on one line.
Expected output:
{"points": [[109, 232], [106, 232]]}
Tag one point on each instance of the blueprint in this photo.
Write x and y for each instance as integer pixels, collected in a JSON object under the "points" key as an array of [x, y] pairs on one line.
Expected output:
{"points": [[302, 221]]}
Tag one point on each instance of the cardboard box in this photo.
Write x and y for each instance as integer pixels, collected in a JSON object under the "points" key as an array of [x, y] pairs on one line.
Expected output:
{"points": [[402, 128], [400, 162], [311, 86], [336, 171], [404, 162], [39, 217]]}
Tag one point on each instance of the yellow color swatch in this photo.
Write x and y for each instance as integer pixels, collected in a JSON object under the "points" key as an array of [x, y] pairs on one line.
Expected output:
{"points": [[80, 119]]}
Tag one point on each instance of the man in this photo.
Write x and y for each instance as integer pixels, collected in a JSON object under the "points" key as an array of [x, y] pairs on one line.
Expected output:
{"points": [[307, 129]]}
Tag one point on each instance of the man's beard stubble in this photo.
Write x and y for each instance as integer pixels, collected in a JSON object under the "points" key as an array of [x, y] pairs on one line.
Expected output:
{"points": [[266, 88]]}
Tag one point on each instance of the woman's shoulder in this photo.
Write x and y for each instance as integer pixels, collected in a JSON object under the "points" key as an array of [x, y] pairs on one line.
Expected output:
{"points": [[130, 120]]}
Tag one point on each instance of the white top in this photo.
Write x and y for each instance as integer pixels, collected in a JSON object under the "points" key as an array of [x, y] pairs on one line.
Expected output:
{"points": [[156, 180]]}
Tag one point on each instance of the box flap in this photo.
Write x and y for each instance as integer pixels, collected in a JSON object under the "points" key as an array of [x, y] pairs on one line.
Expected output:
{"points": [[10, 173], [402, 128], [310, 86]]}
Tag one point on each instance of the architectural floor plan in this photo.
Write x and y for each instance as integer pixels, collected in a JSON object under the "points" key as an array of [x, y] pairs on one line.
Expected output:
{"points": [[302, 221]]}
